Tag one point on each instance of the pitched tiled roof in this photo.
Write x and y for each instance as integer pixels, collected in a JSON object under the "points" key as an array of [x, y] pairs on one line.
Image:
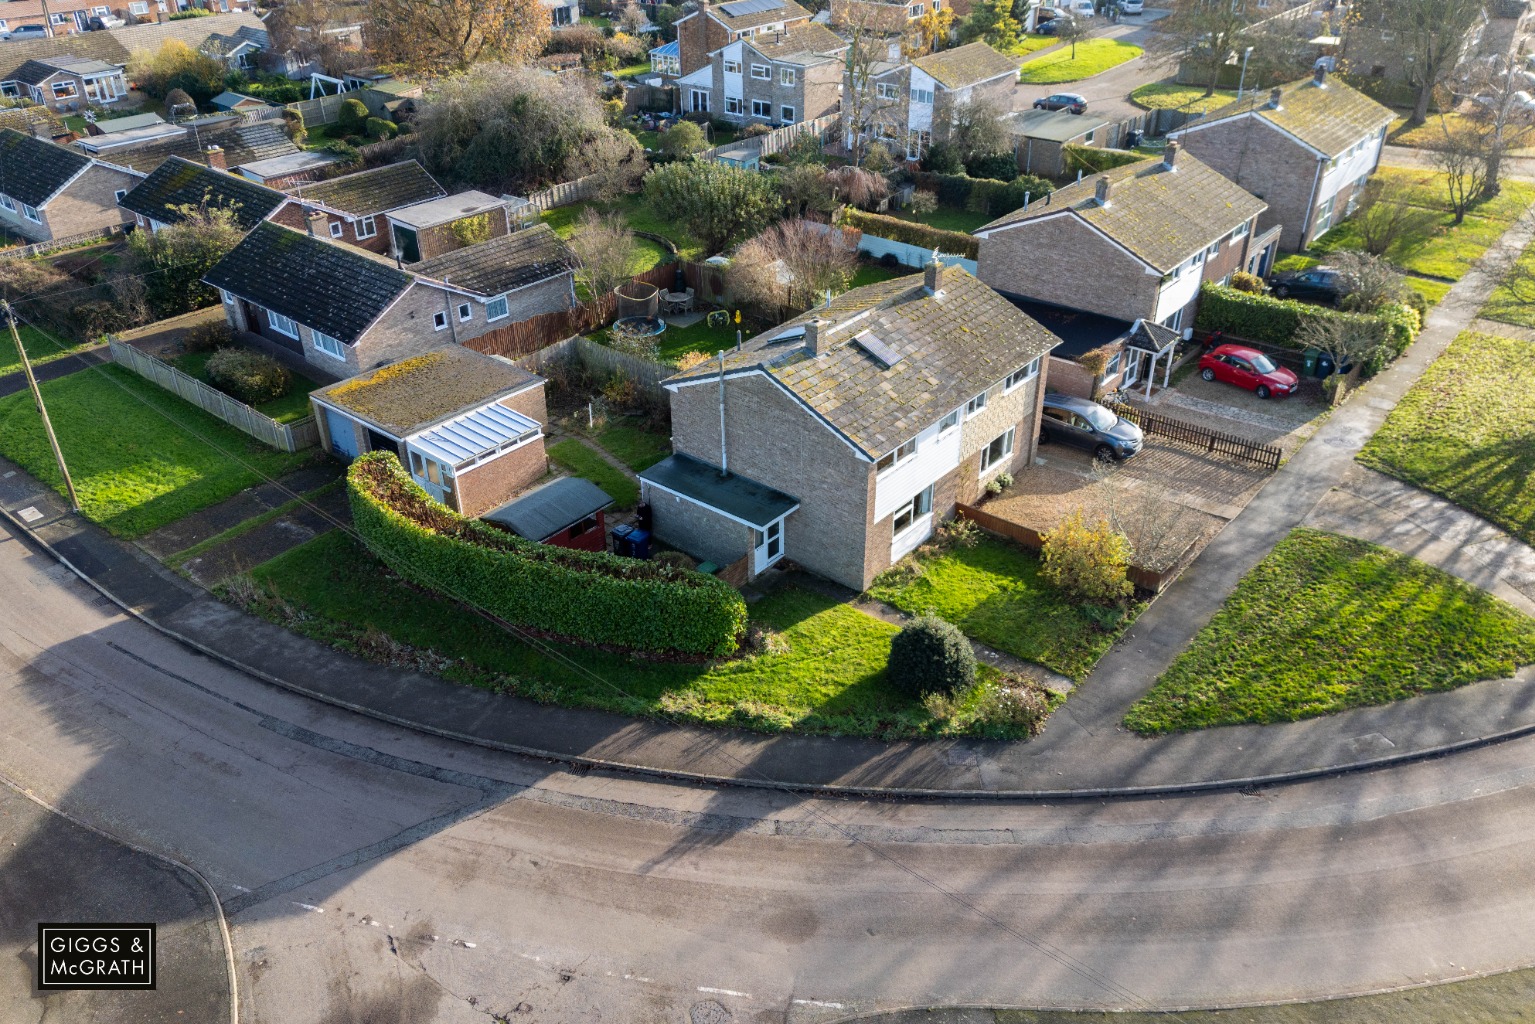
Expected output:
{"points": [[416, 392], [1330, 118], [803, 44], [32, 170], [966, 65], [180, 183], [371, 192], [23, 118], [242, 142], [1161, 215], [115, 46], [33, 72], [501, 264], [743, 14], [950, 347], [334, 289]]}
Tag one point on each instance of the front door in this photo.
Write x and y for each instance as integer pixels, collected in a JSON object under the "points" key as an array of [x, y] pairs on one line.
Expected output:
{"points": [[769, 545], [1132, 368]]}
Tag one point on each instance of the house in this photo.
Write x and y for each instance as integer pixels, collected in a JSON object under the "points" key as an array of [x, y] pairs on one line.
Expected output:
{"points": [[887, 17], [1134, 243], [240, 49], [178, 185], [563, 12], [356, 203], [226, 141], [909, 106], [1040, 138], [343, 310], [790, 74], [1307, 149], [66, 83], [468, 427], [568, 513], [709, 27], [37, 121], [237, 102], [62, 17], [49, 191], [426, 229], [842, 437], [132, 130]]}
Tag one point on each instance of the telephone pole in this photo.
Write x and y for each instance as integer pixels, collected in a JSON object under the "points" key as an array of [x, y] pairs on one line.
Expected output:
{"points": [[37, 397]]}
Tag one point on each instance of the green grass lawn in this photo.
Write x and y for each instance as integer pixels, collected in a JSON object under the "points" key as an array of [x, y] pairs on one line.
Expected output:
{"points": [[633, 70], [1326, 623], [1429, 133], [1440, 249], [583, 462], [994, 593], [639, 216], [1094, 56], [1172, 96], [1433, 292], [1466, 431], [289, 408], [677, 342], [135, 469], [829, 677], [873, 273], [40, 347], [630, 443], [1513, 305], [1028, 44], [949, 218]]}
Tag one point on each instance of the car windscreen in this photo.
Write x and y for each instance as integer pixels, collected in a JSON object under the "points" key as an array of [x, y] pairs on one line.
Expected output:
{"points": [[1263, 364], [1099, 417]]}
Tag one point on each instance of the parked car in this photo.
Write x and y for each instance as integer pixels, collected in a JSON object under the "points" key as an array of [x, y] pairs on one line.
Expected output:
{"points": [[25, 32], [1131, 7], [1080, 423], [1247, 368], [1081, 8], [1072, 101], [1319, 284], [1052, 26]]}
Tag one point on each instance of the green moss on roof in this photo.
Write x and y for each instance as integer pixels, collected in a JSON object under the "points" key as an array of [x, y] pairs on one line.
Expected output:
{"points": [[1330, 118], [414, 393]]}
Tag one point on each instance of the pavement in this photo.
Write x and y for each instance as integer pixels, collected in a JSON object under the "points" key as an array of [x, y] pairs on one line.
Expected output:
{"points": [[11, 383]]}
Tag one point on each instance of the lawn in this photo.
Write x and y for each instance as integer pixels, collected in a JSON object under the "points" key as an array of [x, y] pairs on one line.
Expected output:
{"points": [[135, 469], [633, 70], [40, 347], [828, 676], [1513, 305], [994, 593], [1466, 431], [639, 216], [1327, 623], [1172, 96], [1094, 56], [630, 443], [289, 408], [1440, 249], [1429, 133], [1028, 44], [583, 462], [873, 273], [948, 218], [677, 342]]}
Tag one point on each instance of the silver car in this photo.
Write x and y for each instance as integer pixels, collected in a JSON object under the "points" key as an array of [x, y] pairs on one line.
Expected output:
{"points": [[1066, 419]]}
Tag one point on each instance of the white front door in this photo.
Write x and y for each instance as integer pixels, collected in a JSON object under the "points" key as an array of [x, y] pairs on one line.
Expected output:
{"points": [[1132, 368], [769, 545]]}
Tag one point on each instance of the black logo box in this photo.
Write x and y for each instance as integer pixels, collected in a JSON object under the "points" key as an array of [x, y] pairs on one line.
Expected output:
{"points": [[112, 957]]}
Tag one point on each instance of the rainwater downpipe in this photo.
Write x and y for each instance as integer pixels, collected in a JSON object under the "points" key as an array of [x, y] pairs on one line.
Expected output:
{"points": [[724, 457]]}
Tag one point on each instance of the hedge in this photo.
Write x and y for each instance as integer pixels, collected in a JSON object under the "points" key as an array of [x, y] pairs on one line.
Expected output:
{"points": [[953, 243], [1272, 321], [590, 597], [983, 195], [1091, 160]]}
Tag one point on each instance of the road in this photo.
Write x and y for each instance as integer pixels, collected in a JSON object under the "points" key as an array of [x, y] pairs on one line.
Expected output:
{"points": [[1107, 94], [372, 875]]}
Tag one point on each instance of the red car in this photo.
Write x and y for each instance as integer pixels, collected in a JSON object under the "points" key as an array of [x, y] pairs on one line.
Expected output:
{"points": [[1247, 368]]}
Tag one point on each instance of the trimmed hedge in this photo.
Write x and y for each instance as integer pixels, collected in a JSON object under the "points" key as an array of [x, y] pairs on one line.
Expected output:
{"points": [[954, 243], [590, 597], [1272, 321], [1092, 160], [983, 195]]}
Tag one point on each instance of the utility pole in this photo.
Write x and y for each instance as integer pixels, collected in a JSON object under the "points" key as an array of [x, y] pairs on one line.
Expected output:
{"points": [[42, 410]]}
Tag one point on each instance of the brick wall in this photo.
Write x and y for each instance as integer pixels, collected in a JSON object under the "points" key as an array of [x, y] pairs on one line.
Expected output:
{"points": [[494, 483], [291, 214], [553, 295], [405, 330], [1070, 377], [697, 37], [1266, 163], [1016, 409], [89, 203], [1059, 259], [696, 530], [530, 402]]}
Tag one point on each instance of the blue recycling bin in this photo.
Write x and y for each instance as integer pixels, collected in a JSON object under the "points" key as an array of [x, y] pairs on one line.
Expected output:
{"points": [[623, 543], [639, 544]]}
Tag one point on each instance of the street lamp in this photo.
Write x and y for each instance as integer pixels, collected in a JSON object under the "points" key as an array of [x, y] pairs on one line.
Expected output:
{"points": [[1242, 82]]}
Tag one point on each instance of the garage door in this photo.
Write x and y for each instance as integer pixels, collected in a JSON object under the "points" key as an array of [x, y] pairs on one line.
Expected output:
{"points": [[343, 437]]}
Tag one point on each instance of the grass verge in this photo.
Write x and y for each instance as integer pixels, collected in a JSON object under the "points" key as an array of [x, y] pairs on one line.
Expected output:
{"points": [[1326, 623], [1514, 305], [1093, 57], [40, 349], [583, 462], [1172, 96]]}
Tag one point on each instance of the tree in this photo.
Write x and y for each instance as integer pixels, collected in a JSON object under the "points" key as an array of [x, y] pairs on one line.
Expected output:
{"points": [[632, 20], [353, 116], [862, 188], [434, 36], [866, 114], [1203, 35], [1088, 563], [665, 17], [716, 203], [175, 65], [1384, 215], [1502, 113], [993, 22], [1461, 153], [1073, 31], [1350, 342], [927, 33], [805, 189], [877, 159], [791, 266], [977, 130], [174, 259], [179, 103], [683, 139], [1372, 281], [1431, 34], [605, 248]]}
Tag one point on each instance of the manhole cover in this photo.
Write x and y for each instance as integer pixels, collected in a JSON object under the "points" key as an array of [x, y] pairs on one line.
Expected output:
{"points": [[1346, 441], [708, 1012]]}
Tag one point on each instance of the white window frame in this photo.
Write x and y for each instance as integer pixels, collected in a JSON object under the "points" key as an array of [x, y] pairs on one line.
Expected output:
{"points": [[762, 109], [734, 105], [7, 202], [440, 320], [330, 346], [921, 95], [732, 67], [948, 423], [975, 406], [1240, 231], [226, 298], [988, 460], [337, 229], [887, 90], [30, 212], [786, 76], [914, 12], [786, 114], [465, 312], [117, 196], [699, 100], [893, 459], [1021, 376], [491, 315], [284, 325], [762, 72], [366, 228], [920, 505], [1112, 366], [138, 8], [74, 90]]}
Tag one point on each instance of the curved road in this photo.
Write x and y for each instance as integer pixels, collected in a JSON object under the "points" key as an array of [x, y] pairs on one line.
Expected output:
{"points": [[372, 875]]}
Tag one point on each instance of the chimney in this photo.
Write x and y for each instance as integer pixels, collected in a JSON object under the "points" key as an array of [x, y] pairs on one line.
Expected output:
{"points": [[319, 224], [932, 275], [1319, 76], [214, 157], [1104, 184], [816, 341], [1170, 156], [1276, 95]]}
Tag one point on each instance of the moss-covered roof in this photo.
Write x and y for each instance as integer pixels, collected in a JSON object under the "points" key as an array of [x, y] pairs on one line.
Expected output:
{"points": [[374, 191], [966, 65], [179, 184], [1330, 118], [412, 394]]}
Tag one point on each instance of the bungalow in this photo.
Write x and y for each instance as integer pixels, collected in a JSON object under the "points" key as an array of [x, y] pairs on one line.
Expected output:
{"points": [[468, 427], [179, 185], [426, 229], [288, 170], [241, 49], [911, 105], [357, 203], [224, 141], [125, 132], [567, 513], [842, 437], [66, 83], [48, 191]]}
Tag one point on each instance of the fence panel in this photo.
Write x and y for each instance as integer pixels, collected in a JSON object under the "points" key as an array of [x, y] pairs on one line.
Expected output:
{"points": [[1150, 580], [26, 252], [563, 194], [1212, 441]]}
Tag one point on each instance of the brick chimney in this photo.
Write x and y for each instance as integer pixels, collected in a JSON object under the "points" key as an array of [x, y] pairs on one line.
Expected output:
{"points": [[319, 224], [1170, 156], [1276, 97], [213, 156], [1104, 185], [932, 275], [816, 341]]}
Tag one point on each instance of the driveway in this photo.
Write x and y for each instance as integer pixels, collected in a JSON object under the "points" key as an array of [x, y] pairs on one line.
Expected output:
{"points": [[1107, 93]]}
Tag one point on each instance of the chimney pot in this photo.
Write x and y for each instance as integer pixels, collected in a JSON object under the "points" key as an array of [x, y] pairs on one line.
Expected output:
{"points": [[318, 223], [1103, 187], [1276, 95], [932, 275], [214, 157], [1170, 157]]}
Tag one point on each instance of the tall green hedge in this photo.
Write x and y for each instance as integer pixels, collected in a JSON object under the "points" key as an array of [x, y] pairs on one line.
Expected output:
{"points": [[592, 597], [954, 243], [983, 195], [1274, 321], [1092, 160]]}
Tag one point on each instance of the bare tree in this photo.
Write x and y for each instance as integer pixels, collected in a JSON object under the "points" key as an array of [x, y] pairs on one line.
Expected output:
{"points": [[632, 20], [1503, 112], [864, 110], [1348, 341], [805, 189], [977, 130], [1203, 35], [605, 248], [1461, 153], [1073, 31], [1384, 215], [1372, 281], [1158, 528], [436, 36], [791, 266], [1432, 34]]}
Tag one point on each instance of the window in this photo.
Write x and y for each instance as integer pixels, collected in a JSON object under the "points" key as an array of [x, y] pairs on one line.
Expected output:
{"points": [[336, 229], [762, 71], [57, 19], [762, 108], [1241, 231], [585, 526], [887, 90], [949, 422], [465, 312], [921, 95], [786, 114], [1175, 321], [30, 212], [1213, 251], [283, 325], [1025, 373], [139, 8], [917, 143], [101, 12], [367, 227], [733, 105], [914, 11], [439, 321], [732, 67], [64, 90], [118, 195], [920, 505], [997, 452], [496, 309], [1324, 215], [8, 203], [330, 346], [897, 457], [698, 100], [785, 76], [1112, 366], [975, 405]]}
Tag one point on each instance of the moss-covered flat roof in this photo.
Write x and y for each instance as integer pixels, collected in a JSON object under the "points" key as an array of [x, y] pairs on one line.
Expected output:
{"points": [[412, 394]]}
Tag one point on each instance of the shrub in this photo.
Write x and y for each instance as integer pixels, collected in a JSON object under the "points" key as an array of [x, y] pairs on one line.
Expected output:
{"points": [[1088, 563], [952, 242], [251, 377], [208, 337], [959, 532], [877, 158], [922, 203], [1263, 318], [930, 656], [353, 117], [380, 128], [751, 131], [990, 196], [1000, 166], [293, 123], [1011, 707], [591, 597], [1252, 284], [940, 159], [890, 261]]}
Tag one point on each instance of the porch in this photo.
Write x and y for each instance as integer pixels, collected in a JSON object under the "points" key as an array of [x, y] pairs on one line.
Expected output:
{"points": [[717, 516]]}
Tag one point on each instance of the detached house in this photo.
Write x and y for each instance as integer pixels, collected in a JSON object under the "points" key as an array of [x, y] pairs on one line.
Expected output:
{"points": [[356, 203], [49, 192], [910, 106], [710, 27], [66, 83], [1307, 150], [889, 17], [178, 185], [842, 437], [783, 76]]}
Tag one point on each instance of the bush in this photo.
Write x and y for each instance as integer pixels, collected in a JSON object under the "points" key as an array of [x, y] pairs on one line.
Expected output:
{"points": [[591, 597], [922, 203], [1265, 319], [293, 123], [353, 118], [1088, 563], [380, 128], [1091, 160], [930, 656], [751, 131], [890, 261], [1000, 166], [954, 243], [940, 159], [251, 377], [208, 337], [990, 196], [1252, 284]]}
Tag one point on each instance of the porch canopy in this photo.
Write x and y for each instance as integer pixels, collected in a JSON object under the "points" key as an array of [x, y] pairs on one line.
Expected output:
{"points": [[734, 497], [1158, 342], [475, 436]]}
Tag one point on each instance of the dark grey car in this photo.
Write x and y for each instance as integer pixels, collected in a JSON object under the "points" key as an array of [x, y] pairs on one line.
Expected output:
{"points": [[1066, 419]]}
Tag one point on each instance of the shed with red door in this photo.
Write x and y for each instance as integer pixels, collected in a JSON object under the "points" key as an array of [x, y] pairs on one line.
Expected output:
{"points": [[567, 512]]}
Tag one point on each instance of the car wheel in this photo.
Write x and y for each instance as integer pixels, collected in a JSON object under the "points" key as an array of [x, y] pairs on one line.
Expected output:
{"points": [[1044, 437], [1103, 453], [1263, 391], [1207, 373], [1281, 291]]}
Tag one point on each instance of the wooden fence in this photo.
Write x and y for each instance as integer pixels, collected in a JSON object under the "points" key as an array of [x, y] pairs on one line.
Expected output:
{"points": [[1152, 581], [780, 139], [565, 193], [646, 374], [528, 336], [321, 109], [288, 437], [1212, 441]]}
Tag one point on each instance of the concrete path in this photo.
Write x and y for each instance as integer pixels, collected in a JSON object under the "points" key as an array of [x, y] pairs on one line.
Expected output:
{"points": [[11, 383]]}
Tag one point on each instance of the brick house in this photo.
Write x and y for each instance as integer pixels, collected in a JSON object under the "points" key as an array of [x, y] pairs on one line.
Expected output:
{"points": [[467, 427], [177, 184], [343, 310], [786, 76], [886, 17], [356, 203], [710, 27], [1307, 149], [911, 105], [66, 83], [1134, 243], [48, 191], [842, 437], [423, 230]]}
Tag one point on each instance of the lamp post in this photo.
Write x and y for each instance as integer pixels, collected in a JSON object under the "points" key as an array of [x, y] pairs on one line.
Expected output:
{"points": [[1242, 82]]}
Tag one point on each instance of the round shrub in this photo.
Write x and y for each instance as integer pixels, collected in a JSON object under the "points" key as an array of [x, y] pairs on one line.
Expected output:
{"points": [[251, 377], [1001, 166], [1252, 284], [931, 656], [353, 116], [379, 128], [940, 159]]}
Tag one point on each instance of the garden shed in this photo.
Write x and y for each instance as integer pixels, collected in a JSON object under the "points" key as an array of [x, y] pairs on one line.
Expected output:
{"points": [[567, 513]]}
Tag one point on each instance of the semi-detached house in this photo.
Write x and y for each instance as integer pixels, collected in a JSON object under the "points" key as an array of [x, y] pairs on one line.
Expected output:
{"points": [[49, 192], [784, 77], [909, 106]]}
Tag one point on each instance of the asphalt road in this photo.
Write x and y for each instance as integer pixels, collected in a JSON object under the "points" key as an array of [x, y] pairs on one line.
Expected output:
{"points": [[371, 875], [1108, 93]]}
